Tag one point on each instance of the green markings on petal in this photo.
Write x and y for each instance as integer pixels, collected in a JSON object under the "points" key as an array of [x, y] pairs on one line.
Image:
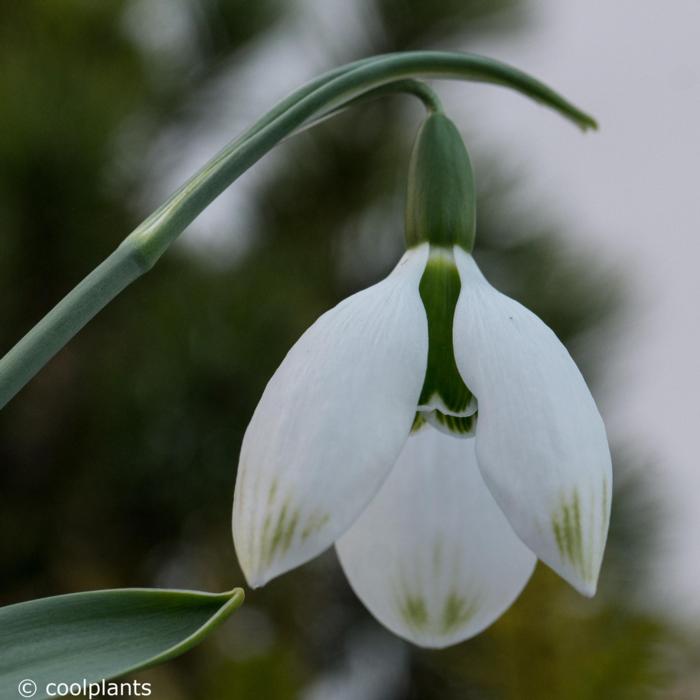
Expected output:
{"points": [[429, 607], [265, 539], [273, 533], [289, 531], [455, 426], [456, 612], [568, 533], [458, 426], [443, 388], [284, 524], [444, 618], [414, 611], [278, 533], [313, 524], [418, 422]]}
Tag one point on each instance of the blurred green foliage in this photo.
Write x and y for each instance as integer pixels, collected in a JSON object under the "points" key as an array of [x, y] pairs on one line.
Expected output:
{"points": [[117, 463]]}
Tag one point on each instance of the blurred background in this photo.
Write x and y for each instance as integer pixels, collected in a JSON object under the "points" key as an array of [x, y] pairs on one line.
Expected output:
{"points": [[117, 463]]}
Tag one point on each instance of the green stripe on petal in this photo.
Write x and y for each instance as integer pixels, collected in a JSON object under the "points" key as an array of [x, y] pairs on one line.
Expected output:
{"points": [[456, 426]]}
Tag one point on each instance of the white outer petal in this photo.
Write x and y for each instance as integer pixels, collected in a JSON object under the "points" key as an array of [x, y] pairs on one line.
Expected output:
{"points": [[330, 424], [432, 556], [540, 440]]}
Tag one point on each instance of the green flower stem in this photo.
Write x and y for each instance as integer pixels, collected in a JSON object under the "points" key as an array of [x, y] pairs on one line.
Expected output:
{"points": [[68, 317], [144, 246], [418, 89]]}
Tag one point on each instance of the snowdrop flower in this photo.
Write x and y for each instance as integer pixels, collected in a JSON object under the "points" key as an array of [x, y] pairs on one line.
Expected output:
{"points": [[432, 428]]}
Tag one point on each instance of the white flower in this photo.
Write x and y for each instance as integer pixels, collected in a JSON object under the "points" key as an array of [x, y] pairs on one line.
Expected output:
{"points": [[367, 436]]}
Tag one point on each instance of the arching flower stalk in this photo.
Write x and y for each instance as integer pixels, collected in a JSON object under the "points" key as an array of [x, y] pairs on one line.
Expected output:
{"points": [[434, 429]]}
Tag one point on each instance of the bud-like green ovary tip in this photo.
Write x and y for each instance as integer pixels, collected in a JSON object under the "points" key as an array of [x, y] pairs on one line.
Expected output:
{"points": [[441, 202]]}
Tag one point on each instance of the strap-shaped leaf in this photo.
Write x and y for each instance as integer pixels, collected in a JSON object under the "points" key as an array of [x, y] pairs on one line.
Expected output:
{"points": [[102, 634]]}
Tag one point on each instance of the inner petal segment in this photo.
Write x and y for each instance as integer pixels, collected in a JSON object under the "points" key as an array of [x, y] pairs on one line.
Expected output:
{"points": [[445, 400]]}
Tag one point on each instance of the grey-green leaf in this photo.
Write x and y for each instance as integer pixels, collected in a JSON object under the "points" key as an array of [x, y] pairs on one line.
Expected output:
{"points": [[103, 634]]}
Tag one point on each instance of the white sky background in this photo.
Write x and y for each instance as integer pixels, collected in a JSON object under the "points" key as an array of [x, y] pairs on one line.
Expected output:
{"points": [[631, 190]]}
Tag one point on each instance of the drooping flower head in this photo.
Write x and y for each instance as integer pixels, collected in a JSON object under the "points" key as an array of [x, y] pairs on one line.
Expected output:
{"points": [[434, 429]]}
